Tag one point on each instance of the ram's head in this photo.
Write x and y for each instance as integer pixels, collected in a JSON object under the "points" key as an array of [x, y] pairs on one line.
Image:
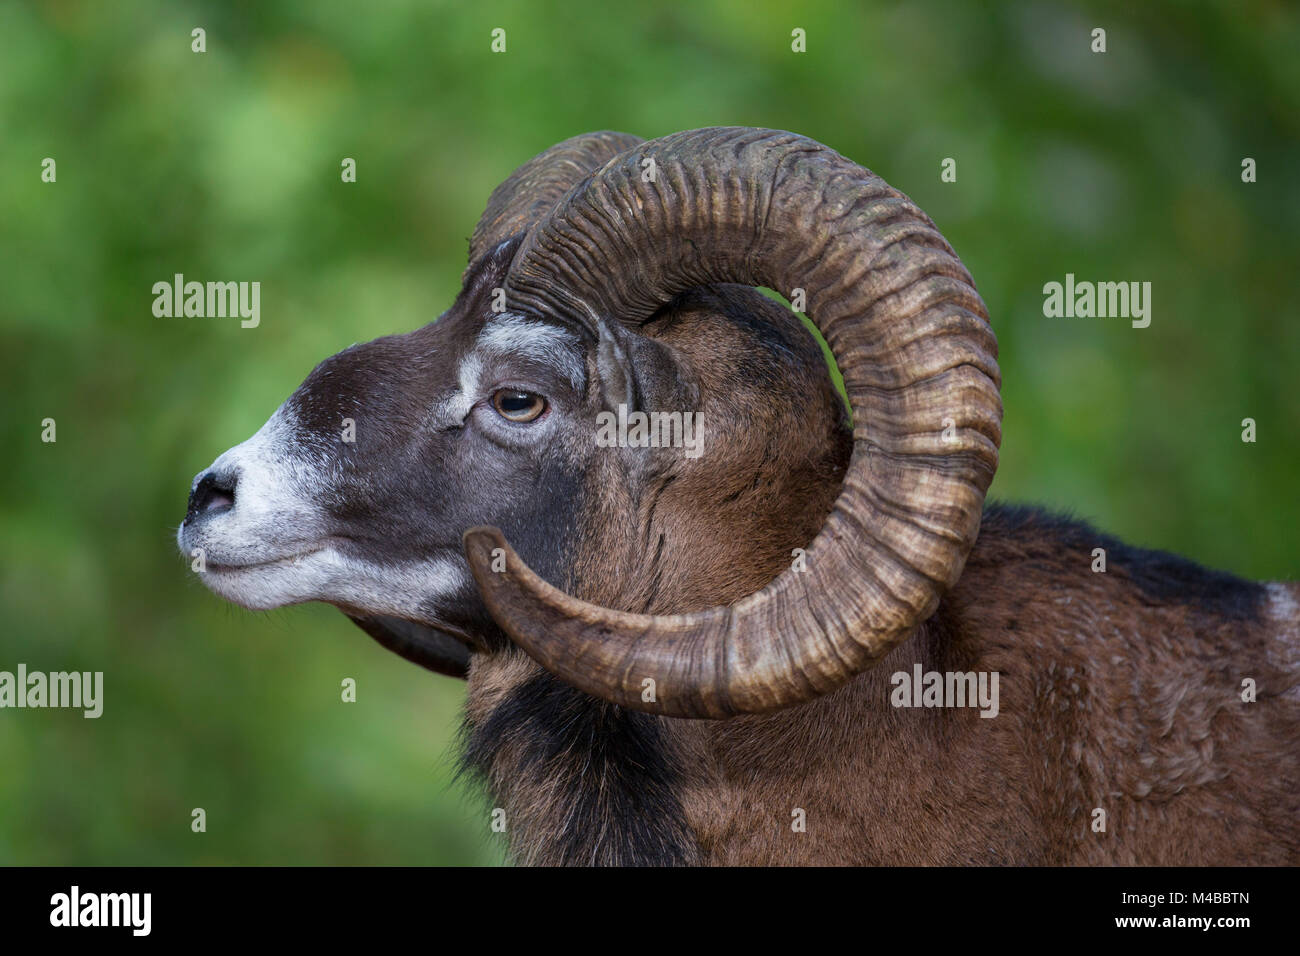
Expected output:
{"points": [[450, 489]]}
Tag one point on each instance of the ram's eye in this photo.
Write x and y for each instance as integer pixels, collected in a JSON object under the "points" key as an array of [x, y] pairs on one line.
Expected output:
{"points": [[516, 406]]}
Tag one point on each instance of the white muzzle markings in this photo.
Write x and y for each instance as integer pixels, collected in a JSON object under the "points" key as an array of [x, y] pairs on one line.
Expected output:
{"points": [[273, 546]]}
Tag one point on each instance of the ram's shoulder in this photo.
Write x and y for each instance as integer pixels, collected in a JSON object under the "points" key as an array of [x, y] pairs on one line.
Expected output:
{"points": [[1037, 551]]}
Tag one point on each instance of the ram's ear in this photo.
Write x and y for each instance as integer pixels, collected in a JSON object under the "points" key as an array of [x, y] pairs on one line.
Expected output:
{"points": [[439, 652], [641, 373]]}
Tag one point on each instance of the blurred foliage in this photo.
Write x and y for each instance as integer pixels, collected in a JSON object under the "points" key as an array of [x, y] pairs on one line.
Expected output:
{"points": [[225, 165]]}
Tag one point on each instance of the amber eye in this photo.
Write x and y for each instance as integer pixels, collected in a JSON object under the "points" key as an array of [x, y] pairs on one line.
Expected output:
{"points": [[516, 406]]}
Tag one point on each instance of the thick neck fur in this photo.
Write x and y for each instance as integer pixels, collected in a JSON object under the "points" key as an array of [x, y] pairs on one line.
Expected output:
{"points": [[582, 782]]}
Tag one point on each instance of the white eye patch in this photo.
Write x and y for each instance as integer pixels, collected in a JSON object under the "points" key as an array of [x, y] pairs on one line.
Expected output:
{"points": [[548, 344], [513, 335]]}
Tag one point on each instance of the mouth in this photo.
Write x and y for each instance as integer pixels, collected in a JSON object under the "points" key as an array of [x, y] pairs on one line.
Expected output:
{"points": [[263, 583], [285, 561]]}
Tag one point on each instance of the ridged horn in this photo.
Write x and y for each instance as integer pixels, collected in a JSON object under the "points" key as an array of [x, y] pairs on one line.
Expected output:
{"points": [[911, 337], [532, 190]]}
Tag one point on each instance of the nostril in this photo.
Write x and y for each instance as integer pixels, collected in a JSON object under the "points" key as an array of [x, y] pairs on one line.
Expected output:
{"points": [[211, 494]]}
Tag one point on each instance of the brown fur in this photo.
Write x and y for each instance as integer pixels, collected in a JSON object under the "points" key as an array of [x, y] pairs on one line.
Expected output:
{"points": [[1113, 696], [1106, 702]]}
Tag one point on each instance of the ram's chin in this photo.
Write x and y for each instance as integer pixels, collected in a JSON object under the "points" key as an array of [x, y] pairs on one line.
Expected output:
{"points": [[272, 584], [409, 591]]}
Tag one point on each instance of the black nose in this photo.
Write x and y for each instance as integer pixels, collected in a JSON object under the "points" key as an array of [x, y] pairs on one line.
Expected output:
{"points": [[211, 494]]}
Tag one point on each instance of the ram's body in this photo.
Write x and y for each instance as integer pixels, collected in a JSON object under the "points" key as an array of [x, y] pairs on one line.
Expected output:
{"points": [[778, 582], [1119, 692]]}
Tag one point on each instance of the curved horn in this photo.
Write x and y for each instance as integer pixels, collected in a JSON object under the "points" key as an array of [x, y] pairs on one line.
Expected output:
{"points": [[532, 190], [911, 337]]}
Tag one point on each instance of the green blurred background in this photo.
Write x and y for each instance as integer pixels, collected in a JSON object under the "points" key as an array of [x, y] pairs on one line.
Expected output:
{"points": [[225, 165]]}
